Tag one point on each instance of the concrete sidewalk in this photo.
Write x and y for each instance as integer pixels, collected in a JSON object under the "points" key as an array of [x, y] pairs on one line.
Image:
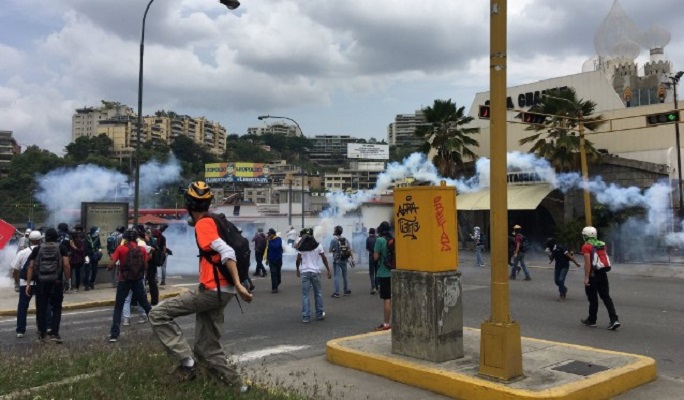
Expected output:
{"points": [[102, 296], [552, 370]]}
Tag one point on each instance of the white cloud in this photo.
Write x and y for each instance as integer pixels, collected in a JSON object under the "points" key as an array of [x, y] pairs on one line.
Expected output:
{"points": [[337, 67]]}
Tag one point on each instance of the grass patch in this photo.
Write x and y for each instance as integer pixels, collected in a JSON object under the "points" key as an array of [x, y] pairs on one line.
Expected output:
{"points": [[137, 368]]}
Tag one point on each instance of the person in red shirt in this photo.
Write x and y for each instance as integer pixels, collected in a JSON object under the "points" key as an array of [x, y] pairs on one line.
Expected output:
{"points": [[596, 282], [207, 303], [130, 278]]}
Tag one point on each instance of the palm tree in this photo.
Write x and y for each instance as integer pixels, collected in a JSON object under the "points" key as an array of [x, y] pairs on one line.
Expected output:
{"points": [[561, 143], [445, 133]]}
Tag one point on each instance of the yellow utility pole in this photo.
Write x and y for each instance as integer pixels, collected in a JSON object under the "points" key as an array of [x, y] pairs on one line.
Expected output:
{"points": [[500, 342], [585, 174]]}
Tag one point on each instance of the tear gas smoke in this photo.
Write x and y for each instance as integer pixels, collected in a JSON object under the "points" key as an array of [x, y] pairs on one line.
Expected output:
{"points": [[63, 190], [655, 199]]}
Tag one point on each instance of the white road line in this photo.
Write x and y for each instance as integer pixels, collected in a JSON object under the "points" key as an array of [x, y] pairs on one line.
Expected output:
{"points": [[253, 355]]}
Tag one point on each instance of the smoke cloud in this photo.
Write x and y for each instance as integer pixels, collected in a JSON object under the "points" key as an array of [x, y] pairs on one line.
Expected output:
{"points": [[655, 200], [62, 191]]}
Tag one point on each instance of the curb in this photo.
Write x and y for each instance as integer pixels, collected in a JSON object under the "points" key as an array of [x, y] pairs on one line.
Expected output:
{"points": [[603, 385], [89, 304]]}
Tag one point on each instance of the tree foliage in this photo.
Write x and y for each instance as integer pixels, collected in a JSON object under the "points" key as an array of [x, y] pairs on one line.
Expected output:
{"points": [[557, 138], [447, 136]]}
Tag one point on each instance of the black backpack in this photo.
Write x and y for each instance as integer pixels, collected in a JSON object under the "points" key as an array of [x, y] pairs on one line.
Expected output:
{"points": [[134, 267], [524, 244], [229, 233], [158, 255], [344, 251], [391, 257], [48, 262]]}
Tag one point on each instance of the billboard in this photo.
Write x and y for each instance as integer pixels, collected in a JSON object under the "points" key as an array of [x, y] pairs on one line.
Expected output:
{"points": [[368, 151], [236, 172]]}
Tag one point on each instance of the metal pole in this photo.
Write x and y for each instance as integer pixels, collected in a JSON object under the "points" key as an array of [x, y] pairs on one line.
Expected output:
{"points": [[289, 203], [585, 175], [500, 336], [303, 199], [136, 199], [679, 155]]}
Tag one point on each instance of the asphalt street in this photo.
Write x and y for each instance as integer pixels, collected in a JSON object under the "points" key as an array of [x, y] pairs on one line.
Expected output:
{"points": [[270, 330]]}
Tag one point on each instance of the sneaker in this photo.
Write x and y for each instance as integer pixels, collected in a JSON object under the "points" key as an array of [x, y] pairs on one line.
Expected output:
{"points": [[20, 335], [383, 327], [126, 321], [373, 291], [305, 320], [586, 322], [142, 320], [55, 339], [336, 295], [162, 284], [561, 298], [614, 325], [113, 339], [274, 291], [527, 278], [347, 292], [87, 288], [244, 388], [186, 373], [322, 317]]}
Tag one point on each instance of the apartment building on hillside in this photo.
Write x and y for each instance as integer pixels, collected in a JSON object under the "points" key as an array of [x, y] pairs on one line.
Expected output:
{"points": [[8, 149], [119, 123], [402, 130], [276, 128]]}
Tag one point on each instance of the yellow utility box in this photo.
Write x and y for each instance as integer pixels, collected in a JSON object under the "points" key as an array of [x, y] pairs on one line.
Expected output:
{"points": [[425, 228]]}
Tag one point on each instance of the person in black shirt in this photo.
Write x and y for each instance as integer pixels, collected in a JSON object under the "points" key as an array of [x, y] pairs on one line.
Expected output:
{"points": [[49, 288], [562, 257]]}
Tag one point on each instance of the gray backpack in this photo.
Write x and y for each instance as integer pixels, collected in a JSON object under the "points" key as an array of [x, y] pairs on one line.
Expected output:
{"points": [[48, 262]]}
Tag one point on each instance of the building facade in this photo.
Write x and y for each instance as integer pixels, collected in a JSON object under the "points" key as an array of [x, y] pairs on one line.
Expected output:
{"points": [[8, 149], [119, 123], [276, 128], [330, 150], [403, 130]]}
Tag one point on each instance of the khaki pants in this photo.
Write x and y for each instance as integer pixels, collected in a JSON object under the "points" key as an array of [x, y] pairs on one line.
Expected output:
{"points": [[208, 328]]}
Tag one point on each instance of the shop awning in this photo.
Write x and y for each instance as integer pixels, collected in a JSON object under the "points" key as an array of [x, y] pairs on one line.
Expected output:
{"points": [[520, 197]]}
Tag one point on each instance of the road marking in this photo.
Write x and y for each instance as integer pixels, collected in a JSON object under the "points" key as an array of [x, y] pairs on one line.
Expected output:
{"points": [[68, 381], [253, 355]]}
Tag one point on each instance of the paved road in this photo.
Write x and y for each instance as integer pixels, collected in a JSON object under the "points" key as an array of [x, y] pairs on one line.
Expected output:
{"points": [[271, 332]]}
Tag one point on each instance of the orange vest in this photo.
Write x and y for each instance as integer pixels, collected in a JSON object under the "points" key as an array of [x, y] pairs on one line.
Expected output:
{"points": [[205, 233]]}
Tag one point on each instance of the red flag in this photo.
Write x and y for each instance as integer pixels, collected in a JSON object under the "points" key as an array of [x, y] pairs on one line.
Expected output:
{"points": [[6, 232]]}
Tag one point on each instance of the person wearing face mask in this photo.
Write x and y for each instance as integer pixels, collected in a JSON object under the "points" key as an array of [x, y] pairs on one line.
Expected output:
{"points": [[93, 255], [562, 257]]}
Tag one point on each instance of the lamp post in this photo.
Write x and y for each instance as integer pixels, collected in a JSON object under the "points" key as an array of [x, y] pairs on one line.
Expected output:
{"points": [[30, 218], [263, 117], [675, 80], [232, 5]]}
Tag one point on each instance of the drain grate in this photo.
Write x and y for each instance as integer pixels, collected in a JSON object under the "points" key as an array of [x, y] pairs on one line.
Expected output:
{"points": [[580, 368]]}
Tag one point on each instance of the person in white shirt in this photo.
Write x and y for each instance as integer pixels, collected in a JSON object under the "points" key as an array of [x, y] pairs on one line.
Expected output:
{"points": [[291, 236], [308, 252], [19, 273]]}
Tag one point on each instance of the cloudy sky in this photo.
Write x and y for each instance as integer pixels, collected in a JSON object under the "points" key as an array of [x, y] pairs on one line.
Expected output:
{"points": [[337, 67]]}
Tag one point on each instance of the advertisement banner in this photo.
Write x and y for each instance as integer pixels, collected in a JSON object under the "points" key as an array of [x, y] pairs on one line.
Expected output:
{"points": [[368, 151], [236, 172]]}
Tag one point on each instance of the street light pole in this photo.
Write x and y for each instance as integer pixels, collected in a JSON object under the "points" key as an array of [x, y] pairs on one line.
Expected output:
{"points": [[136, 199], [232, 5], [262, 117], [675, 80]]}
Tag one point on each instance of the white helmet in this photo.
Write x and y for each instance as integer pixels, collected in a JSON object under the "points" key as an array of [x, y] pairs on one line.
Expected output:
{"points": [[589, 232], [35, 235]]}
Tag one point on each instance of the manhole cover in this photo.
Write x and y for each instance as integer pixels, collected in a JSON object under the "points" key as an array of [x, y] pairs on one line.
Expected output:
{"points": [[580, 368]]}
